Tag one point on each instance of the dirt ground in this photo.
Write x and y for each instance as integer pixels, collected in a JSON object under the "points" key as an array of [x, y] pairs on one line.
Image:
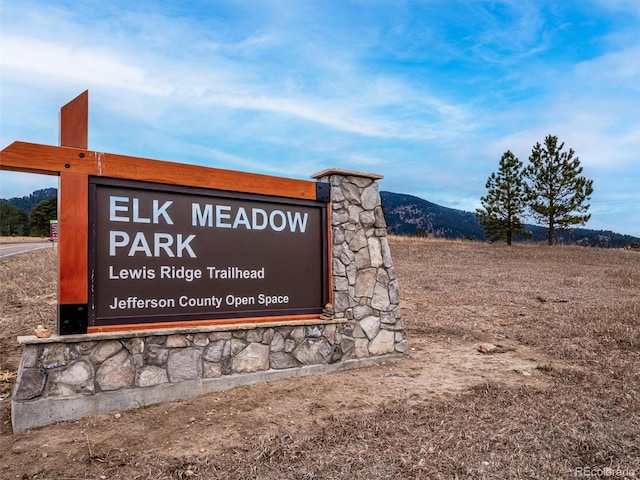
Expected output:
{"points": [[564, 321]]}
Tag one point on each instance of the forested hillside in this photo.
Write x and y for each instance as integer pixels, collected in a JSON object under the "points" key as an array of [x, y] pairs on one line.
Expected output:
{"points": [[28, 215], [409, 215]]}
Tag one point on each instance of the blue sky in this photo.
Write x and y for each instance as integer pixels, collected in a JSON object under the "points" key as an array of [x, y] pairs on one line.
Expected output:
{"points": [[427, 93]]}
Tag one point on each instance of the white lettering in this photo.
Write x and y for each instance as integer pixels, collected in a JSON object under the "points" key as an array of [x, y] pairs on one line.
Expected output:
{"points": [[162, 211], [272, 221], [117, 239], [222, 216], [267, 300], [184, 245], [136, 213], [212, 301], [139, 244], [162, 241], [297, 219], [235, 272], [241, 218], [114, 208], [254, 218], [200, 218], [182, 273], [236, 302], [134, 302], [226, 216], [143, 273]]}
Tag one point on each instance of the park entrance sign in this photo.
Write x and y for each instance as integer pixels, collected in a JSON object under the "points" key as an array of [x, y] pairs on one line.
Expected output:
{"points": [[179, 280], [169, 254]]}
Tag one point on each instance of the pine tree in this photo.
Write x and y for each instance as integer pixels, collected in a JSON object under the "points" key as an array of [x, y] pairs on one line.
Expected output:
{"points": [[41, 215], [13, 221], [505, 201], [556, 190]]}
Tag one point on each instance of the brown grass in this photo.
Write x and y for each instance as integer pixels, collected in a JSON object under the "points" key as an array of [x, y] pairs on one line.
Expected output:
{"points": [[28, 297], [22, 239], [577, 309]]}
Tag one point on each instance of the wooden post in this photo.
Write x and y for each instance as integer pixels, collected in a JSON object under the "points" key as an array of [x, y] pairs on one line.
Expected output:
{"points": [[73, 221], [74, 122], [73, 224]]}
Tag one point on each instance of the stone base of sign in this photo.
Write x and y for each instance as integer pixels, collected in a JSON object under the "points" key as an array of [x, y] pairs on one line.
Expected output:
{"points": [[69, 377]]}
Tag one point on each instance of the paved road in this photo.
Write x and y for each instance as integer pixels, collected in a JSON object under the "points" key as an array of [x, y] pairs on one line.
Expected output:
{"points": [[8, 249]]}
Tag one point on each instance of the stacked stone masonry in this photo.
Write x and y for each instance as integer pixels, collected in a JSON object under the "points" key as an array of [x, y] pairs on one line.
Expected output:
{"points": [[63, 369], [64, 378], [365, 288]]}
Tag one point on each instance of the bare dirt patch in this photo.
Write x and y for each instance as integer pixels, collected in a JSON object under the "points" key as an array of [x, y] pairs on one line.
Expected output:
{"points": [[561, 391]]}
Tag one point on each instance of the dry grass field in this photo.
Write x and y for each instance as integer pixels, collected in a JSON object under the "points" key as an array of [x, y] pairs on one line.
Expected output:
{"points": [[21, 239], [558, 398]]}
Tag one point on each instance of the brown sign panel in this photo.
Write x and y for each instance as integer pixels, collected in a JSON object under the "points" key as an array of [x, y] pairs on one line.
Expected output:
{"points": [[161, 253]]}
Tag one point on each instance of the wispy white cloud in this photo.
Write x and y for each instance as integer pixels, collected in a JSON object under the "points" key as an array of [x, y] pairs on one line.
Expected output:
{"points": [[91, 67], [44, 62]]}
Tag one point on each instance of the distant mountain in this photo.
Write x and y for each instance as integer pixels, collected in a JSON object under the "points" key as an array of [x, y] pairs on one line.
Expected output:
{"points": [[27, 203], [409, 215]]}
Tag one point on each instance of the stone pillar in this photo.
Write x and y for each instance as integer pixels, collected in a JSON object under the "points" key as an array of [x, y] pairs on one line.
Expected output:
{"points": [[365, 288]]}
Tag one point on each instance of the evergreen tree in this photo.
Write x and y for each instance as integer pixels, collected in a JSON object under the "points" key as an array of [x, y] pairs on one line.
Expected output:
{"points": [[556, 190], [13, 221], [420, 232], [505, 201], [40, 216]]}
